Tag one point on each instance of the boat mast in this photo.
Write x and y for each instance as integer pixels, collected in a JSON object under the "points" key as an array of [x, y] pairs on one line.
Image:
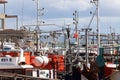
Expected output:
{"points": [[98, 25], [38, 37], [75, 18], [37, 25], [76, 35], [96, 2]]}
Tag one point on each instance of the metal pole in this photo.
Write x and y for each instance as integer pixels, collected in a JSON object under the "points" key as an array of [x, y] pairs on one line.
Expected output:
{"points": [[78, 43], [75, 14], [69, 55], [38, 41], [17, 23], [86, 41], [4, 7], [76, 23], [96, 2], [86, 34], [98, 25], [37, 10], [77, 32]]}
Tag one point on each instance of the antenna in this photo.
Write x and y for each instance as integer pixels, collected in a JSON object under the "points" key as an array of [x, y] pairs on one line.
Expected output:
{"points": [[22, 11]]}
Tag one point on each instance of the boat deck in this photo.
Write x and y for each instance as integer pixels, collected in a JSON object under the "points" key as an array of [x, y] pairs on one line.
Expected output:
{"points": [[14, 76]]}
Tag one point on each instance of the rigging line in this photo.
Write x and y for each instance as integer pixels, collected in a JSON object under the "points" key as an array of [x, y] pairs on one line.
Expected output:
{"points": [[92, 18]]}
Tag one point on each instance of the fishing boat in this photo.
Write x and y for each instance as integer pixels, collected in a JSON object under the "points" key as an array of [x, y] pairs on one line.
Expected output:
{"points": [[19, 59], [23, 63], [23, 57]]}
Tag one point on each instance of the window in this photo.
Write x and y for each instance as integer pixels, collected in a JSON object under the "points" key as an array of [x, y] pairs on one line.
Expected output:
{"points": [[10, 60]]}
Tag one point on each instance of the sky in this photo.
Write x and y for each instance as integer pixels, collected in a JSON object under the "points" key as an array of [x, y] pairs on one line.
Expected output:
{"points": [[60, 12]]}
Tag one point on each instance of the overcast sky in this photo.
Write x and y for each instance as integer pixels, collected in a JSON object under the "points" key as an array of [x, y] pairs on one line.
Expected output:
{"points": [[61, 12]]}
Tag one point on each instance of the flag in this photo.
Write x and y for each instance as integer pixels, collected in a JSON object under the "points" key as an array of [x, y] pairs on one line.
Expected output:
{"points": [[75, 35]]}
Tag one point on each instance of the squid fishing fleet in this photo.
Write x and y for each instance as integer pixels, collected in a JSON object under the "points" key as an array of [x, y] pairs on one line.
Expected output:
{"points": [[25, 56]]}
